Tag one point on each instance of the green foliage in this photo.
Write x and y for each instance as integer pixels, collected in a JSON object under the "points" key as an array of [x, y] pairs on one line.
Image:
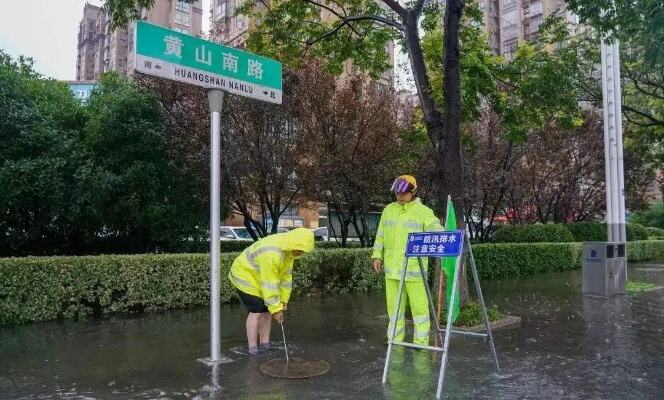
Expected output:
{"points": [[560, 233], [588, 231], [39, 124], [39, 289], [645, 250], [471, 314], [292, 29], [625, 20], [537, 86], [508, 260], [636, 232], [477, 63], [655, 233], [653, 216], [537, 233], [89, 178], [636, 286]]}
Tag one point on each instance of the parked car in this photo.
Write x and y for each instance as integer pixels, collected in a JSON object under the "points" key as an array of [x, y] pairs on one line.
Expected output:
{"points": [[321, 234], [234, 233]]}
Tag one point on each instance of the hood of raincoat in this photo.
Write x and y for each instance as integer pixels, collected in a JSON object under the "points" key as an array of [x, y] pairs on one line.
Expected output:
{"points": [[298, 239]]}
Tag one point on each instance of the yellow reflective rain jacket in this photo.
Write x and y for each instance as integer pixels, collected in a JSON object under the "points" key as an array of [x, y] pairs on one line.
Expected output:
{"points": [[264, 268], [396, 222]]}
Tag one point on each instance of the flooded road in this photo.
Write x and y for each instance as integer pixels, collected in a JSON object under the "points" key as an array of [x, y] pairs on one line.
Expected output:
{"points": [[568, 347]]}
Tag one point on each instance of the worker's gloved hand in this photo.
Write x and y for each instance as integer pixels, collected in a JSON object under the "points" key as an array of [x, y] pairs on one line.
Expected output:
{"points": [[377, 265], [285, 306], [279, 317]]}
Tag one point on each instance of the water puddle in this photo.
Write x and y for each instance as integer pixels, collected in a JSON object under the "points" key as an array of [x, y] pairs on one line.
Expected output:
{"points": [[568, 346]]}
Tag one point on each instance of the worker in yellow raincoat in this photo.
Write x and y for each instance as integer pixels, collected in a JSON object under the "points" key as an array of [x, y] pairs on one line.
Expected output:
{"points": [[262, 275], [406, 215]]}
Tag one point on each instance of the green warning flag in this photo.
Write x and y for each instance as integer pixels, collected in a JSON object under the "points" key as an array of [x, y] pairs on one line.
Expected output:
{"points": [[449, 263]]}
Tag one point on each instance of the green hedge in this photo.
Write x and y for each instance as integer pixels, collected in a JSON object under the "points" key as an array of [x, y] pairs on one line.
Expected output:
{"points": [[537, 233], [645, 250], [655, 233], [507, 260], [636, 232], [44, 288], [596, 232], [588, 231], [564, 233]]}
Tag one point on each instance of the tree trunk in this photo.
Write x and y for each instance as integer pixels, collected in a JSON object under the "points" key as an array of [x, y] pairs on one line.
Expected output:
{"points": [[444, 133], [450, 139], [449, 146]]}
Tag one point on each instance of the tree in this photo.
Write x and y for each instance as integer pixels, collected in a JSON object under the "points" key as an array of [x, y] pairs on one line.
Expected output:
{"points": [[490, 158], [354, 147], [652, 216], [358, 30], [133, 190], [264, 157], [40, 122], [559, 177], [187, 149]]}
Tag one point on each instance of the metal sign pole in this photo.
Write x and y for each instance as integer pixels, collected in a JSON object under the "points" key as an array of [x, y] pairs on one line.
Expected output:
{"points": [[448, 329], [480, 296], [216, 98]]}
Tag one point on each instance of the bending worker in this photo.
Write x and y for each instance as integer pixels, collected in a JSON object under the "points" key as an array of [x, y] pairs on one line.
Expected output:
{"points": [[400, 218], [263, 279]]}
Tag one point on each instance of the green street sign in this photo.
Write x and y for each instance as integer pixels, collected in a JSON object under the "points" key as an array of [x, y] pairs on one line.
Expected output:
{"points": [[177, 56]]}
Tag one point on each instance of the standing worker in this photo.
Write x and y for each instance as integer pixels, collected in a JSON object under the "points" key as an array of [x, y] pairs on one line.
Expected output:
{"points": [[263, 279], [406, 215]]}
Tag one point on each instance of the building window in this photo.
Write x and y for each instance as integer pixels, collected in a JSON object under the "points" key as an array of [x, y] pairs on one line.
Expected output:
{"points": [[291, 211], [222, 10], [239, 23], [509, 18], [535, 24], [182, 6], [180, 29], [510, 32], [182, 19], [510, 48], [535, 9]]}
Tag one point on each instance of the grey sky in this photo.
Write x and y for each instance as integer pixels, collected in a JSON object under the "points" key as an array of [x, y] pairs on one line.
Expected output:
{"points": [[46, 31]]}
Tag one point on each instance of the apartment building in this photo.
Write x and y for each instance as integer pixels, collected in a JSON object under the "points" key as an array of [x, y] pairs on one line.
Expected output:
{"points": [[520, 20], [491, 11], [101, 49]]}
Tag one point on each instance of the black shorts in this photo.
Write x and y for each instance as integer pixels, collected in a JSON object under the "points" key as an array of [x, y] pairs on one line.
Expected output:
{"points": [[254, 303]]}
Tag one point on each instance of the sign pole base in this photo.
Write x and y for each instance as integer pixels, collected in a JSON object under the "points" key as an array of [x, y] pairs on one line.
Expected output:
{"points": [[209, 362]]}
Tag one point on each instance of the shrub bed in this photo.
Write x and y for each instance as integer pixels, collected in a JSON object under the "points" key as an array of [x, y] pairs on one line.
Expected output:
{"points": [[44, 288], [537, 233], [564, 233]]}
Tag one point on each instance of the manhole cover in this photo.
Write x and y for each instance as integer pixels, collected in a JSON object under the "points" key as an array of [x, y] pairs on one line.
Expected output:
{"points": [[297, 368]]}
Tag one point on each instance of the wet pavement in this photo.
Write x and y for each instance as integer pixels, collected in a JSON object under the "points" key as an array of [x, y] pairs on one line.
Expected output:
{"points": [[568, 347]]}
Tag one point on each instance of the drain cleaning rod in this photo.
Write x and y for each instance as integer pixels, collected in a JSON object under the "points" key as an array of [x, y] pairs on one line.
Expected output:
{"points": [[284, 336]]}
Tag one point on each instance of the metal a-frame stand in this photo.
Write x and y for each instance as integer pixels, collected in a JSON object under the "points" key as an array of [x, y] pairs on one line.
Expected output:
{"points": [[488, 337]]}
